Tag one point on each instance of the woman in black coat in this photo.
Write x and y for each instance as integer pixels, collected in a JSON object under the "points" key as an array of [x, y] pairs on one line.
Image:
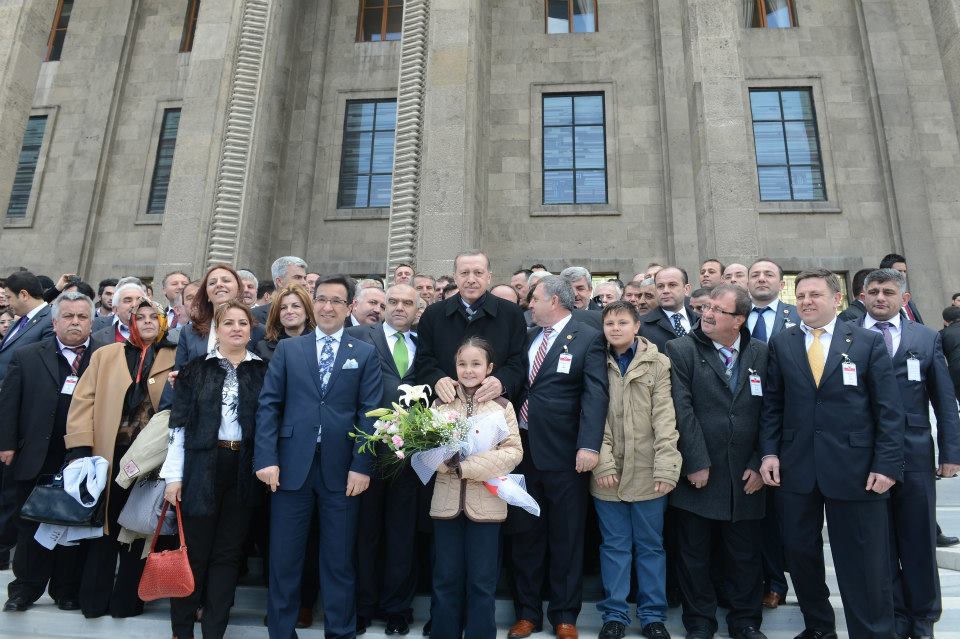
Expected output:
{"points": [[291, 315], [209, 467]]}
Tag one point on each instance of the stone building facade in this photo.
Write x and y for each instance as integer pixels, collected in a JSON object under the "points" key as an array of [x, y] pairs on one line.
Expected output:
{"points": [[263, 96]]}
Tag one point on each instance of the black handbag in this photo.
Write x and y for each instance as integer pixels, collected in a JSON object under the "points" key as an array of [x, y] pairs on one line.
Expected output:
{"points": [[49, 503]]}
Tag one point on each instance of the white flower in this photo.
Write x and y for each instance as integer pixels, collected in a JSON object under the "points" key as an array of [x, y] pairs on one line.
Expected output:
{"points": [[412, 394]]}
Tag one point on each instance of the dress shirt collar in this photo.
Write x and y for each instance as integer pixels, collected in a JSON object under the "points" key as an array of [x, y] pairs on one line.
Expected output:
{"points": [[870, 322], [735, 346], [61, 345], [773, 306], [216, 354], [390, 331], [828, 328], [336, 336], [560, 325], [36, 310], [682, 310]]}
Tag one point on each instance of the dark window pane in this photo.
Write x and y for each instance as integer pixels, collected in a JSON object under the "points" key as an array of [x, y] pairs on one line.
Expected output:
{"points": [[797, 105], [769, 140], [774, 183], [353, 191], [366, 162], [163, 165], [807, 183], [382, 153], [584, 18], [26, 166], [591, 187], [588, 141], [357, 148], [557, 110], [58, 31], [558, 187], [65, 12], [360, 116], [558, 148], [394, 23], [558, 16], [386, 116], [802, 144], [372, 25], [765, 105], [380, 190], [588, 109]]}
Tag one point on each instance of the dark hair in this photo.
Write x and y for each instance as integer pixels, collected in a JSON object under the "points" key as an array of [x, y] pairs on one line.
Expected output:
{"points": [[345, 281], [820, 273], [713, 259], [858, 278], [477, 342], [621, 307], [24, 281], [538, 265], [766, 259], [45, 282], [274, 328], [701, 292], [163, 282], [110, 281], [201, 313], [452, 286], [951, 314], [82, 287], [683, 272], [229, 305], [265, 287], [741, 301], [409, 266], [955, 296], [526, 272], [890, 259]]}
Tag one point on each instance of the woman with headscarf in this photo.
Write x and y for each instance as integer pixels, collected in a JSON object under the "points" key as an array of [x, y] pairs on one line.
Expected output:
{"points": [[113, 401]]}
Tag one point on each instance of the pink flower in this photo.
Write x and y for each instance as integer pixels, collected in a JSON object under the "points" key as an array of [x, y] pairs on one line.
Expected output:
{"points": [[399, 454], [397, 441], [453, 416]]}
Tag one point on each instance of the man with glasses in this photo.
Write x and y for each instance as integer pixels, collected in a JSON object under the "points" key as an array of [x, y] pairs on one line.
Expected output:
{"points": [[717, 374], [318, 386]]}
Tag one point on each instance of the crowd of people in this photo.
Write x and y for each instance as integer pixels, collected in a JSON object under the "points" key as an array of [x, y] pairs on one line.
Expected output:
{"points": [[706, 430]]}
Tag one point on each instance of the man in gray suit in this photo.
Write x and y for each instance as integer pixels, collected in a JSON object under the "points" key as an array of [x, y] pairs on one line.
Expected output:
{"points": [[764, 283], [722, 495]]}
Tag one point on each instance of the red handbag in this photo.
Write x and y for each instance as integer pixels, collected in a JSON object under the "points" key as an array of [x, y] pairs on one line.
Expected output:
{"points": [[166, 573]]}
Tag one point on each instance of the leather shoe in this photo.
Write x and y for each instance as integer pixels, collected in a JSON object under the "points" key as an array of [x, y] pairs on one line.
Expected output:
{"points": [[772, 600], [566, 631], [944, 542], [612, 630], [362, 624], [16, 604], [749, 632], [68, 604], [809, 633], [699, 633], [523, 628], [655, 630], [427, 626], [397, 625], [305, 618]]}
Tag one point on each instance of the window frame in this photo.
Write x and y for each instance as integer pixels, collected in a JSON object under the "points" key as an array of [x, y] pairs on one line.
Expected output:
{"points": [[189, 26], [546, 18], [150, 163], [343, 136], [38, 172], [54, 29], [762, 15], [573, 135], [385, 7]]}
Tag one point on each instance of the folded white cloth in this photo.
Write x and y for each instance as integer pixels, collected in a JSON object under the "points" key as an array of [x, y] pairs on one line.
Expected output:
{"points": [[90, 473]]}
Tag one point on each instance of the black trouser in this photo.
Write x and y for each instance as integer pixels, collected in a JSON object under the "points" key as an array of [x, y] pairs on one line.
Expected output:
{"points": [[34, 566], [563, 497], [465, 579], [386, 538], [916, 581], [742, 579], [860, 543], [215, 548], [8, 510], [771, 547]]}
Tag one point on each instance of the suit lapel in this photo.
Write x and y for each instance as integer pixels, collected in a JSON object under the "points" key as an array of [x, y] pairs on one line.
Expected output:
{"points": [[907, 332], [345, 351], [839, 344], [310, 359], [49, 358], [747, 360], [23, 331], [799, 349], [380, 341], [563, 338], [712, 356]]}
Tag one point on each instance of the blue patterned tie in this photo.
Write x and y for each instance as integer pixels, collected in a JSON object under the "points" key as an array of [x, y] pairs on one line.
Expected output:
{"points": [[326, 362], [677, 326]]}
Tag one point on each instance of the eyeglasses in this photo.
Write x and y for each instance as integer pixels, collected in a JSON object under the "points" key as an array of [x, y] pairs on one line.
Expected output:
{"points": [[323, 300], [716, 309]]}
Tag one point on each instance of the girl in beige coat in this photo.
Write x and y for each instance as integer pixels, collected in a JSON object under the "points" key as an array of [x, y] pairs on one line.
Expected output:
{"points": [[466, 515]]}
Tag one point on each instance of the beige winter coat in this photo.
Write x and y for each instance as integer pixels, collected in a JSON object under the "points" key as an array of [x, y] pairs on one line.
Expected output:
{"points": [[462, 491], [640, 435]]}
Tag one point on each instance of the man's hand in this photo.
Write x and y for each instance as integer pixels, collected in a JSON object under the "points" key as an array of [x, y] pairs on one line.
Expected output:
{"points": [[172, 378], [753, 479], [270, 476], [6, 456], [62, 282], [770, 470], [663, 487], [586, 460], [879, 483], [609, 481], [946, 470], [356, 483], [490, 388], [446, 389], [700, 478], [172, 492]]}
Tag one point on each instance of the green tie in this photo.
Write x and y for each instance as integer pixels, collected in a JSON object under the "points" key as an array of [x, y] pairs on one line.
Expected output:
{"points": [[401, 357]]}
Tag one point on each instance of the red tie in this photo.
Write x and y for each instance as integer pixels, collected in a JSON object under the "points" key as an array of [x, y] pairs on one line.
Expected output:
{"points": [[537, 361], [78, 351], [909, 313]]}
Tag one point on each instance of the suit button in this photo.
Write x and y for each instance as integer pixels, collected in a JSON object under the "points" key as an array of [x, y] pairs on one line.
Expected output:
{"points": [[817, 432], [819, 402], [321, 403]]}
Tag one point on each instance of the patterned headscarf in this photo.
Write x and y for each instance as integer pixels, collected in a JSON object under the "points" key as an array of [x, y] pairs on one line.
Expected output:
{"points": [[135, 337]]}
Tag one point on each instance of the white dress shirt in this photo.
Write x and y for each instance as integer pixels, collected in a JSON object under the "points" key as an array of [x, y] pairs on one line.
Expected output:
{"points": [[335, 345], [684, 320], [735, 347], [769, 317], [230, 431], [895, 328], [535, 346], [389, 332], [68, 354], [826, 337]]}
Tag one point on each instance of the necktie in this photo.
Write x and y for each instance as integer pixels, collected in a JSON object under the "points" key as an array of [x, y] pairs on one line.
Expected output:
{"points": [[78, 351], [677, 326], [906, 309], [16, 329], [401, 356], [173, 319], [537, 361], [326, 362], [815, 355], [729, 356], [887, 336], [760, 328]]}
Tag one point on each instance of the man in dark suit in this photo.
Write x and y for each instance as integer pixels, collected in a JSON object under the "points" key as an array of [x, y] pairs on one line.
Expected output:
{"points": [[285, 270], [855, 309], [899, 263], [318, 388], [764, 283], [951, 344], [923, 378], [472, 312], [673, 318], [832, 437], [367, 309], [717, 371], [562, 410], [388, 508], [41, 377]]}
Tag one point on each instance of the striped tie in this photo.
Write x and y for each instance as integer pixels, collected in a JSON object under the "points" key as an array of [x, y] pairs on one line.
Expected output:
{"points": [[537, 361]]}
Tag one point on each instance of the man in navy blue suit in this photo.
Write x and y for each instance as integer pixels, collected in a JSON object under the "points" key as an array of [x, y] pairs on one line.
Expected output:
{"points": [[924, 379], [831, 436], [318, 388]]}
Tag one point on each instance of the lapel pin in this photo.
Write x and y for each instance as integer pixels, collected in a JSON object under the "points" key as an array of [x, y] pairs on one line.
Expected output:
{"points": [[349, 345], [849, 340], [569, 336]]}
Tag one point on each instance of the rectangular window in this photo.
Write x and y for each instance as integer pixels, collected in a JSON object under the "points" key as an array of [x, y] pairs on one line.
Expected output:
{"points": [[160, 181], [574, 149], [772, 14], [366, 165], [189, 26], [571, 16], [785, 134], [59, 30], [380, 20], [26, 166]]}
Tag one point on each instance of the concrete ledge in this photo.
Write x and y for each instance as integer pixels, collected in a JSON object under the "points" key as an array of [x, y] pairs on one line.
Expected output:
{"points": [[949, 558]]}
